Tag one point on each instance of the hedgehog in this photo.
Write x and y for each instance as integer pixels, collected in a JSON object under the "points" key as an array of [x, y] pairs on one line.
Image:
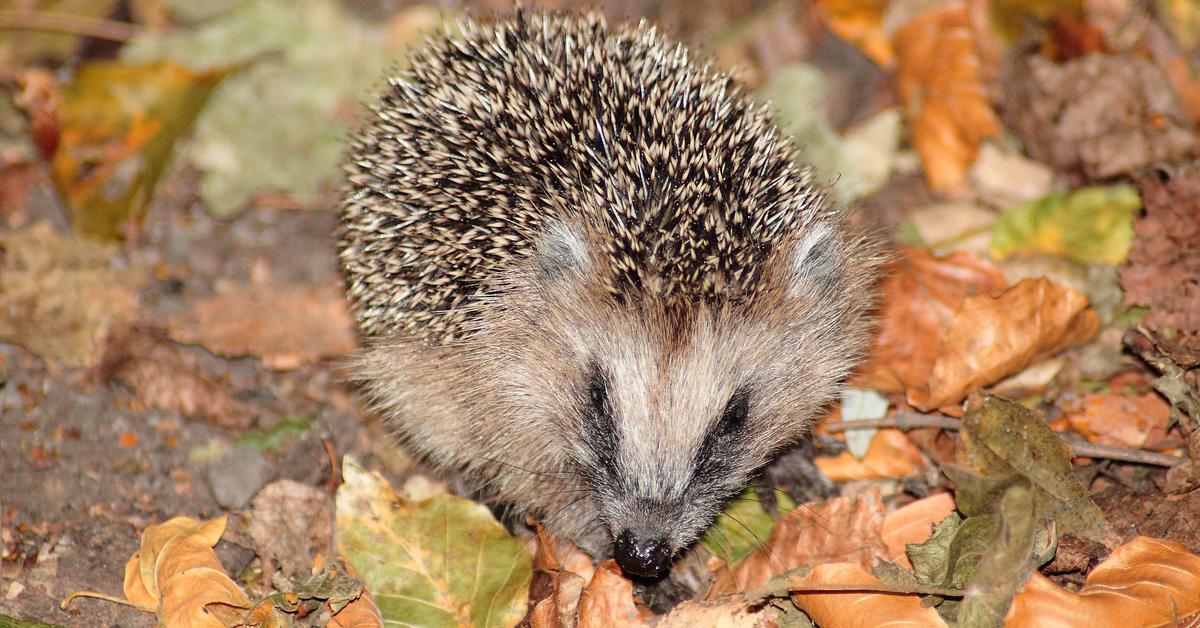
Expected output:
{"points": [[593, 282]]}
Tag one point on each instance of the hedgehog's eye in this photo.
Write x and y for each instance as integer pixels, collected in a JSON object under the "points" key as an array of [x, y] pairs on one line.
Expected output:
{"points": [[734, 415]]}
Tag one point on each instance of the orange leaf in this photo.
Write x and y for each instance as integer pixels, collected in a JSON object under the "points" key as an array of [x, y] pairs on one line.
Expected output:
{"points": [[940, 80], [608, 600], [921, 294], [889, 455], [175, 573], [860, 22], [847, 609], [991, 338], [838, 530], [1142, 583], [285, 326], [914, 524], [361, 613], [1128, 421]]}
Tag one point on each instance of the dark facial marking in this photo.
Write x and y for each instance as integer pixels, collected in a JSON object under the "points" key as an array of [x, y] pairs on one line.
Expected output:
{"points": [[599, 425], [713, 455]]}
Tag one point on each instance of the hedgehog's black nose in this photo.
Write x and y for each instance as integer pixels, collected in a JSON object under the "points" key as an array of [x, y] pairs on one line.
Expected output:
{"points": [[643, 558]]}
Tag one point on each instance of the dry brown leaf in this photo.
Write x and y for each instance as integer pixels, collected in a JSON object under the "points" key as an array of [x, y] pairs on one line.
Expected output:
{"points": [[921, 294], [940, 80], [1122, 420], [285, 326], [860, 23], [561, 606], [175, 573], [838, 530], [561, 571], [608, 600], [731, 611], [849, 609], [994, 337], [889, 455], [161, 377], [913, 524], [1145, 582], [60, 296]]}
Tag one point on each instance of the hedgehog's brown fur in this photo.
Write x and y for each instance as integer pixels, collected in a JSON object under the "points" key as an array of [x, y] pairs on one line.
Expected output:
{"points": [[548, 206]]}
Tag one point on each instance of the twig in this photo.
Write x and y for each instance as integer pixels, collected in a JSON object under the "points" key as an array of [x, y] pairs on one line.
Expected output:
{"points": [[69, 24], [907, 421], [900, 421]]}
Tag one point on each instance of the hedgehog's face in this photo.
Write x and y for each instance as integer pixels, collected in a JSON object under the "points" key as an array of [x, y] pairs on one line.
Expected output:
{"points": [[671, 409]]}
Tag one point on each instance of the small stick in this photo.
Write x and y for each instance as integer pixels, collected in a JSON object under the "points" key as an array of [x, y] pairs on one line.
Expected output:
{"points": [[69, 24], [907, 421]]}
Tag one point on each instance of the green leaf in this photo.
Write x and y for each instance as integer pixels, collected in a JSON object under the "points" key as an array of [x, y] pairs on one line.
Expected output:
{"points": [[120, 123], [1006, 563], [443, 561], [1002, 438], [1089, 225], [10, 622], [743, 527]]}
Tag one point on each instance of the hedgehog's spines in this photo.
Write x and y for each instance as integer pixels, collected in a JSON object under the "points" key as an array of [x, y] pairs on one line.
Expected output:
{"points": [[500, 129]]}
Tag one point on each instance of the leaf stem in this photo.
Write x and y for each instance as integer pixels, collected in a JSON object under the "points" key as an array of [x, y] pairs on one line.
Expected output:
{"points": [[68, 24]]}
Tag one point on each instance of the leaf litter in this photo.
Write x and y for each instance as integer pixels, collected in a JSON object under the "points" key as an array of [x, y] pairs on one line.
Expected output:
{"points": [[1007, 286]]}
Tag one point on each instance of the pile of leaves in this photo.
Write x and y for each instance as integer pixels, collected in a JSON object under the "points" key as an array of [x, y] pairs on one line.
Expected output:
{"points": [[1022, 446]]}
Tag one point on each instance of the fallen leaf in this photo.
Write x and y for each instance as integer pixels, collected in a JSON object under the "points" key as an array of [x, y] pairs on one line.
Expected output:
{"points": [[731, 611], [940, 79], [741, 528], [1002, 438], [921, 294], [913, 524], [889, 455], [1102, 114], [855, 608], [444, 561], [838, 530], [860, 23], [1004, 178], [608, 600], [561, 606], [290, 525], [945, 228], [175, 574], [1019, 545], [285, 326], [61, 296], [1121, 420], [1163, 273], [991, 338], [360, 613], [119, 127], [161, 377], [1144, 582], [1089, 225]]}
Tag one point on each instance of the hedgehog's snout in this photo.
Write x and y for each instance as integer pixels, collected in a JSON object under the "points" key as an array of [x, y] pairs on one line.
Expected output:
{"points": [[641, 554]]}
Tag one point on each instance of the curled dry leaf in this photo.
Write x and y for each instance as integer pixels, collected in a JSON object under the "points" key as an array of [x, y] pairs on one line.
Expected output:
{"points": [[991, 338], [61, 296], [731, 611], [889, 455], [1146, 582], [913, 524], [838, 530], [361, 613], [1122, 420], [921, 294], [561, 571], [940, 80], [285, 326], [608, 600], [161, 377], [853, 608], [175, 573]]}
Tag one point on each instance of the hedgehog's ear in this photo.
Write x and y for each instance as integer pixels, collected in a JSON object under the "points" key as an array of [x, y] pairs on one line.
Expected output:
{"points": [[562, 252], [817, 261]]}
